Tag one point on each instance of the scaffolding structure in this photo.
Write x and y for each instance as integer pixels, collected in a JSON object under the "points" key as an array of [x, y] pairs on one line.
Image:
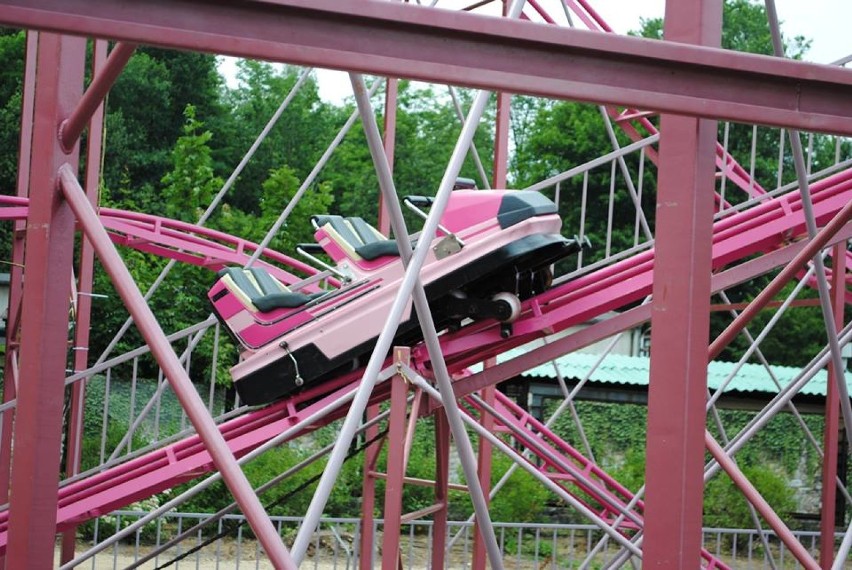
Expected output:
{"points": [[701, 244]]}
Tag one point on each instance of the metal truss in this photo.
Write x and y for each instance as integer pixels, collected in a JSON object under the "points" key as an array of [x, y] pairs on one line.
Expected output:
{"points": [[690, 256]]}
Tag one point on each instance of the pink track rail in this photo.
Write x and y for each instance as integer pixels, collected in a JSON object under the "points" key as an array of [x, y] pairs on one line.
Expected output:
{"points": [[164, 468], [761, 229], [182, 241], [758, 230], [570, 469]]}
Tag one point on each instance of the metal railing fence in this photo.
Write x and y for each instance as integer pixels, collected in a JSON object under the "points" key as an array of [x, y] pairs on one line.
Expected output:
{"points": [[228, 543]]}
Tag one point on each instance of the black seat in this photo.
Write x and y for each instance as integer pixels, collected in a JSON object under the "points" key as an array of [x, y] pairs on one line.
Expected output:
{"points": [[262, 289]]}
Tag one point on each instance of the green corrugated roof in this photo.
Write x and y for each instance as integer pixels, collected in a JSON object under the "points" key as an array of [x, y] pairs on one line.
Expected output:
{"points": [[633, 370]]}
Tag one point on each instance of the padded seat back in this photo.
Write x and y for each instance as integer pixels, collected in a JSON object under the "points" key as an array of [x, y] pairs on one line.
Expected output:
{"points": [[357, 238], [260, 291]]}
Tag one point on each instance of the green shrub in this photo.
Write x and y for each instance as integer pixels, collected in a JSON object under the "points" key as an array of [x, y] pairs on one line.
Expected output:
{"points": [[522, 499], [725, 506]]}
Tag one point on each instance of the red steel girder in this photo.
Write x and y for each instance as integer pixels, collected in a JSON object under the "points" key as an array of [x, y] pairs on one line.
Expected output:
{"points": [[48, 262], [403, 40], [680, 316]]}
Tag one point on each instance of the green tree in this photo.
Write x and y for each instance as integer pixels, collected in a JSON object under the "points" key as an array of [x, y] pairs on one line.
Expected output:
{"points": [[557, 136], [191, 184], [145, 118], [725, 506], [12, 44], [278, 190], [181, 300], [426, 132], [297, 139]]}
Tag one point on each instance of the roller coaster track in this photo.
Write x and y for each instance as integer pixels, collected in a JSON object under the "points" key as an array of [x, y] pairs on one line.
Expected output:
{"points": [[773, 224], [181, 241]]}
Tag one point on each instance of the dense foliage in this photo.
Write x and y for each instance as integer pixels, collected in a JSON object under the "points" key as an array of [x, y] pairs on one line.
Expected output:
{"points": [[777, 454]]}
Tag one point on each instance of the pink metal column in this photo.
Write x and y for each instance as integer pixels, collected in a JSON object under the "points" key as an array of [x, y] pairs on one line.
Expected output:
{"points": [[13, 311], [395, 464], [442, 484], [485, 455], [832, 421], [484, 459], [84, 299], [44, 322], [680, 317], [391, 92], [368, 492]]}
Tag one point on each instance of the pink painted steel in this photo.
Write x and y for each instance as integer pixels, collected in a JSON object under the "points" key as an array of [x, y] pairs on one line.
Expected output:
{"points": [[831, 433], [72, 127], [83, 309], [468, 49], [442, 482], [483, 464], [177, 376], [501, 140], [167, 467], [777, 283], [626, 320], [368, 492], [395, 464], [44, 316], [182, 241], [637, 124], [680, 318], [391, 95], [205, 247], [10, 379], [593, 17], [679, 337], [761, 229], [501, 135], [164, 468], [588, 15], [167, 475]]}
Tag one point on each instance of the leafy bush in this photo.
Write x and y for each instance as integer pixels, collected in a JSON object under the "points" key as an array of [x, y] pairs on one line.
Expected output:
{"points": [[522, 498], [725, 506]]}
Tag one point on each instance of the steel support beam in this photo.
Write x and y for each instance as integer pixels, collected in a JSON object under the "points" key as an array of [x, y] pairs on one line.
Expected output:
{"points": [[83, 308], [44, 318], [395, 464], [680, 318], [103, 79], [442, 483], [16, 272], [149, 328], [402, 40], [831, 439], [368, 491], [391, 96], [484, 467]]}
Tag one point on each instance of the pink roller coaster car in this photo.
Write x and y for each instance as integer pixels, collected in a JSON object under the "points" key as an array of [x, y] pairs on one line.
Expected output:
{"points": [[493, 250]]}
